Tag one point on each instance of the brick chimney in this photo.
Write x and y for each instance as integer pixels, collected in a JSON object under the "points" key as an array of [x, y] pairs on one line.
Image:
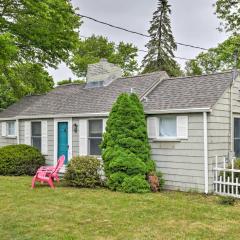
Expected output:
{"points": [[102, 73]]}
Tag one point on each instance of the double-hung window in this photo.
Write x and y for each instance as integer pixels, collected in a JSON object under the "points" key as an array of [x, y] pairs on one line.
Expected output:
{"points": [[36, 137], [95, 130], [168, 126], [11, 131]]}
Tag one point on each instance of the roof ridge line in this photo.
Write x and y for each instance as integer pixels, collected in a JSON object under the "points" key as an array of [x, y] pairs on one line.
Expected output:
{"points": [[154, 85], [207, 74], [142, 75]]}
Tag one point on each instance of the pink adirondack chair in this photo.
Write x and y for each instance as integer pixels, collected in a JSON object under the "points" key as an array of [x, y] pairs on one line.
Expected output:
{"points": [[48, 174]]}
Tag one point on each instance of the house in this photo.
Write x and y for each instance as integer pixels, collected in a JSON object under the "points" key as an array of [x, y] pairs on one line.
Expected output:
{"points": [[190, 120]]}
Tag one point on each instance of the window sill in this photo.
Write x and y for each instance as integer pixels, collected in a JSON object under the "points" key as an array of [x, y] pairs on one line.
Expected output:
{"points": [[166, 140], [11, 136]]}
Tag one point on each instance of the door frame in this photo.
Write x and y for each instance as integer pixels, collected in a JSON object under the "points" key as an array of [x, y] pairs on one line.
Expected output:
{"points": [[56, 121]]}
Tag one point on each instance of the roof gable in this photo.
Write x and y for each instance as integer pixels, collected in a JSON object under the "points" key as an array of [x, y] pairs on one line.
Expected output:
{"points": [[188, 92]]}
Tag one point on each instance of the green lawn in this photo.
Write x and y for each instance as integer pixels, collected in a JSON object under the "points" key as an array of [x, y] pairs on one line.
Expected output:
{"points": [[68, 213]]}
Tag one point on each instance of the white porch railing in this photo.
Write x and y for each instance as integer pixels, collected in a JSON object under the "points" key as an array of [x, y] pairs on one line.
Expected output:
{"points": [[225, 180]]}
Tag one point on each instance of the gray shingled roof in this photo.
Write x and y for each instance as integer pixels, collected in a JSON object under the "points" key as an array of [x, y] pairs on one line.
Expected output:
{"points": [[76, 99], [188, 92], [172, 93]]}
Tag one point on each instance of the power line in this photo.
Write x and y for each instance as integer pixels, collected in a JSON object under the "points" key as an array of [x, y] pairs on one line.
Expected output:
{"points": [[141, 50], [134, 32], [113, 26]]}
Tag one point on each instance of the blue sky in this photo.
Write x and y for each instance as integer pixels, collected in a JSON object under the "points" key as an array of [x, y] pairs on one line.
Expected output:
{"points": [[193, 22]]}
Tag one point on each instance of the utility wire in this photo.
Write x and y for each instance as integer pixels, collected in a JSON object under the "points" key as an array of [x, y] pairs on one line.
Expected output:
{"points": [[134, 32], [141, 50]]}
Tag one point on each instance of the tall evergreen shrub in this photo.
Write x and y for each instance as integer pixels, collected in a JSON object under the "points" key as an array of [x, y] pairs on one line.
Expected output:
{"points": [[125, 147]]}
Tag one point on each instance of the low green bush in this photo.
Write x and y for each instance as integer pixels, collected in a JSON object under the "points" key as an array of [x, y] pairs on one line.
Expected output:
{"points": [[20, 160], [135, 184], [83, 171]]}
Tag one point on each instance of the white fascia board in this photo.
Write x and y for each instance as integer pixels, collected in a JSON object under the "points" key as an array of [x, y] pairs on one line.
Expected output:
{"points": [[106, 114], [186, 110], [103, 114]]}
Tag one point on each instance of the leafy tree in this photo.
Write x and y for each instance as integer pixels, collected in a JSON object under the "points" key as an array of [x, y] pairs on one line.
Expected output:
{"points": [[92, 49], [216, 59], [161, 46], [125, 148], [33, 35], [43, 31], [23, 79], [229, 12], [63, 82]]}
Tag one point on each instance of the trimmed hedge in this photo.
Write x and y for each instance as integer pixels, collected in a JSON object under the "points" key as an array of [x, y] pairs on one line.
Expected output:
{"points": [[20, 160], [83, 171], [125, 146]]}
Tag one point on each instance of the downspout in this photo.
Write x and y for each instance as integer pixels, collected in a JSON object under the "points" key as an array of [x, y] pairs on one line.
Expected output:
{"points": [[231, 120], [205, 151]]}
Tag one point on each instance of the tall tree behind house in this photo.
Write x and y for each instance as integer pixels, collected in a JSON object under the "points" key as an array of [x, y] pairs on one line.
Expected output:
{"points": [[161, 46]]}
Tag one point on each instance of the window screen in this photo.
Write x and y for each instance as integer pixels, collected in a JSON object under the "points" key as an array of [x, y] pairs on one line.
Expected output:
{"points": [[237, 136], [11, 128], [36, 135], [95, 136], [168, 126]]}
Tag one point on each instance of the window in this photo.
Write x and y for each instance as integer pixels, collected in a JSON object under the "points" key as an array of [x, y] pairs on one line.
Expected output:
{"points": [[168, 126], [95, 136], [36, 135], [11, 128], [237, 136]]}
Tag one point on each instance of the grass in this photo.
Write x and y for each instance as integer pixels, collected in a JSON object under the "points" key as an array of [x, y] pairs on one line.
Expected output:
{"points": [[69, 213]]}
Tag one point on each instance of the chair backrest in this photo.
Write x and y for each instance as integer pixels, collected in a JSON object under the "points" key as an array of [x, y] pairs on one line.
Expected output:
{"points": [[59, 164]]}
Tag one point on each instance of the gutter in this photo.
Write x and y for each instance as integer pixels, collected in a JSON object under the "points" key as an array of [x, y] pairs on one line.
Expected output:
{"points": [[186, 110], [106, 114], [81, 115]]}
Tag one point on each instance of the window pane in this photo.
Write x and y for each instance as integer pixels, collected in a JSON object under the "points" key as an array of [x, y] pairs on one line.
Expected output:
{"points": [[36, 129], [11, 128], [94, 146], [168, 126], [236, 127], [36, 135], [37, 142], [95, 128]]}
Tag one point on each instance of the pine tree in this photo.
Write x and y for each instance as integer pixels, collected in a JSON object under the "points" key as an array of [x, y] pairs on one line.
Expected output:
{"points": [[161, 46], [125, 147]]}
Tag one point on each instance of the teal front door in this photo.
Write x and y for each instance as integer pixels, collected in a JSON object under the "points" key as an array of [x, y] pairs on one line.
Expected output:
{"points": [[63, 140]]}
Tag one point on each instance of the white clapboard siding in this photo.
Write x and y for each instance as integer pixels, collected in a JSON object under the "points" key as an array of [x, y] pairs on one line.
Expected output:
{"points": [[4, 129], [83, 137], [153, 127], [104, 124], [182, 127], [27, 132], [44, 128]]}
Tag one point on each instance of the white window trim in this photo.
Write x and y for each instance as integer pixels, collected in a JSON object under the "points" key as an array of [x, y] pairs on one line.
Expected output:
{"points": [[103, 130], [40, 121], [56, 121], [168, 139], [7, 127]]}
